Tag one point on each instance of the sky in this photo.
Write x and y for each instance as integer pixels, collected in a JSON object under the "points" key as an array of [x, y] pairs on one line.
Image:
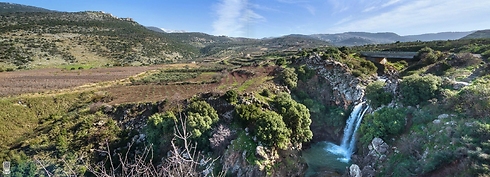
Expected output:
{"points": [[274, 18]]}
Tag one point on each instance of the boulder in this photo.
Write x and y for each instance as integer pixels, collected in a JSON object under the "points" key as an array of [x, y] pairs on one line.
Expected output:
{"points": [[368, 171], [443, 116], [379, 146], [354, 171]]}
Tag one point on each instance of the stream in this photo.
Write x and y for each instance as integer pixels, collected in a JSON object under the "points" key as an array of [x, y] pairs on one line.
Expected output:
{"points": [[326, 157]]}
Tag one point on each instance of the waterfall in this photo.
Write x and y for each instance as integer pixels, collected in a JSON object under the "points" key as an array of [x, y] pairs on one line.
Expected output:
{"points": [[348, 144]]}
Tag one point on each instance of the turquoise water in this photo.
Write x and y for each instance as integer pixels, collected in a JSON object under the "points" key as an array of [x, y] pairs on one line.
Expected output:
{"points": [[328, 159], [323, 160]]}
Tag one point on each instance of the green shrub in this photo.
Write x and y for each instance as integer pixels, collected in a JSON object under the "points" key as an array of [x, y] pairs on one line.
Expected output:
{"points": [[272, 131], [415, 89], [474, 100], [25, 168], [486, 54], [305, 73], [159, 126], [289, 77], [281, 61], [438, 160], [10, 69], [356, 73], [383, 123], [231, 96], [428, 56], [200, 117], [376, 95], [296, 116], [266, 93]]}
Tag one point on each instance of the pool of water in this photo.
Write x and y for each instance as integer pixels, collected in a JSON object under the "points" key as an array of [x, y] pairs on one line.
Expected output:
{"points": [[325, 159]]}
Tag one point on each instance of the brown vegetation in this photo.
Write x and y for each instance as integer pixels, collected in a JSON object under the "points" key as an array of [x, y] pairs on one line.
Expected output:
{"points": [[41, 80]]}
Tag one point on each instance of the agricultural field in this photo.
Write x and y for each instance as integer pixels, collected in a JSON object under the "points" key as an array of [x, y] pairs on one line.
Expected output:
{"points": [[136, 83], [43, 80], [243, 79]]}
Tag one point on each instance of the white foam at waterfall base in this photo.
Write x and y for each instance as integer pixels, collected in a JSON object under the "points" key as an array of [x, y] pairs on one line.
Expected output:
{"points": [[346, 148]]}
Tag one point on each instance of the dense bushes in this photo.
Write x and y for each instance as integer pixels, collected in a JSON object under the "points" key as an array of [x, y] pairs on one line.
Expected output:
{"points": [[289, 77], [296, 116], [376, 95], [415, 89], [231, 96], [384, 123], [267, 125], [290, 123], [160, 125], [200, 117], [305, 73], [272, 131], [473, 100], [428, 56]]}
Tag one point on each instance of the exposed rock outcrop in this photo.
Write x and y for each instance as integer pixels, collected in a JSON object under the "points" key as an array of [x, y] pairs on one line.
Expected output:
{"points": [[354, 171], [236, 163], [344, 87], [378, 150]]}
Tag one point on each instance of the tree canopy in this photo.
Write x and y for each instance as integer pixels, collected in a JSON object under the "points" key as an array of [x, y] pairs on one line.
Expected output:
{"points": [[200, 117]]}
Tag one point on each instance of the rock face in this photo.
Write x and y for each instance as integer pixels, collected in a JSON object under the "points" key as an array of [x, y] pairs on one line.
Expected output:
{"points": [[344, 88], [378, 150], [236, 163], [354, 171]]}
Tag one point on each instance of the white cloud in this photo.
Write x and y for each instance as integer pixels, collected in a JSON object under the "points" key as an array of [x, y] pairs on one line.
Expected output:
{"points": [[310, 9], [369, 9], [421, 16], [389, 3], [338, 6], [233, 17], [293, 1]]}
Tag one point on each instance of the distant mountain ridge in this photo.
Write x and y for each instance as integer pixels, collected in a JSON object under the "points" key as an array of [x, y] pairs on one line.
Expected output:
{"points": [[359, 38], [478, 34], [438, 36], [364, 38], [12, 7]]}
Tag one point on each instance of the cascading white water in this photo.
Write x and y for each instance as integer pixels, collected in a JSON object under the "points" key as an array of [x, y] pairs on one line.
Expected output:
{"points": [[348, 144]]}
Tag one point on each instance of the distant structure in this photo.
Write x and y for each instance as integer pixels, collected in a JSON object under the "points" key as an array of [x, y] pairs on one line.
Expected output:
{"points": [[383, 56]]}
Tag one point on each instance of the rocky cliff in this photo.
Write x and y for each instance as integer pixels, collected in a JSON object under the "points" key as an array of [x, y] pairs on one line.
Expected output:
{"points": [[336, 85]]}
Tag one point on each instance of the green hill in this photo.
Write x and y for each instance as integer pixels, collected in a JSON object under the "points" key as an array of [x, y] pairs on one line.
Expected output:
{"points": [[478, 34], [11, 7], [38, 39]]}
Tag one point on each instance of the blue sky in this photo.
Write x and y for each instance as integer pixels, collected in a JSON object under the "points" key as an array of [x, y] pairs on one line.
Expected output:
{"points": [[272, 18]]}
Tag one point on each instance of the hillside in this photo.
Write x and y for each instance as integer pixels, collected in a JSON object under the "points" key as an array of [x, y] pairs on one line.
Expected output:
{"points": [[196, 104], [11, 7], [365, 38], [478, 34], [91, 39], [438, 36], [359, 38]]}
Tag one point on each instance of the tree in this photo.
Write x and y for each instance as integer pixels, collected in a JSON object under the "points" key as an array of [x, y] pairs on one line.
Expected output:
{"points": [[296, 117], [272, 131], [415, 89], [382, 124], [376, 95], [201, 116], [289, 77], [305, 73], [281, 61], [231, 96], [248, 114], [427, 55], [160, 125]]}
